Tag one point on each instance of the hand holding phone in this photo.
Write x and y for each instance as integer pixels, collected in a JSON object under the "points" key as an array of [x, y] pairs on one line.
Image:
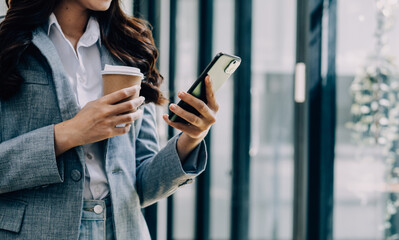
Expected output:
{"points": [[219, 70]]}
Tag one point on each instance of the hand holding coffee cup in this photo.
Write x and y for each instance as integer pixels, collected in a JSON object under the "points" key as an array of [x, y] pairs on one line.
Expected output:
{"points": [[106, 117]]}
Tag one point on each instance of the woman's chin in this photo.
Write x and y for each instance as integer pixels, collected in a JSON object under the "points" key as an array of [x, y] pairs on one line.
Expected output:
{"points": [[100, 5]]}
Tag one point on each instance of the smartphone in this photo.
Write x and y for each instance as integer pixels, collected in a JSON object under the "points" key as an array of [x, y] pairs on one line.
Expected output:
{"points": [[219, 69]]}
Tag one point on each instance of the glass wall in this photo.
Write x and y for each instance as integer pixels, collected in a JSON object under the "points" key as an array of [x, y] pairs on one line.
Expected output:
{"points": [[360, 171], [222, 135], [274, 34]]}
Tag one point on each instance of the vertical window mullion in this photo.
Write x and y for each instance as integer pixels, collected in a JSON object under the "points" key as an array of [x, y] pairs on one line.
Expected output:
{"points": [[205, 38], [315, 124], [242, 122], [172, 77]]}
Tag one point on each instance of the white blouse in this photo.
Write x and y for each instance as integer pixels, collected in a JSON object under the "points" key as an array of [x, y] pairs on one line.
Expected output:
{"points": [[83, 70]]}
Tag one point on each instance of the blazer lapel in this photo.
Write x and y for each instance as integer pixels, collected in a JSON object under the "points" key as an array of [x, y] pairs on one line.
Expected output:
{"points": [[106, 57], [65, 96]]}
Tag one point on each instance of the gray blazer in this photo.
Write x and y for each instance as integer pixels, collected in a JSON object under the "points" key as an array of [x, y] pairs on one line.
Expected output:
{"points": [[41, 195]]}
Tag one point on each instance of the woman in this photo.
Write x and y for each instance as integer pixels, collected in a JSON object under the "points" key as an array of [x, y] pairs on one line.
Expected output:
{"points": [[66, 171]]}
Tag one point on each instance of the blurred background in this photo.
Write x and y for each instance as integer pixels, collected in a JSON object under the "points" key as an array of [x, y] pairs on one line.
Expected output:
{"points": [[283, 160]]}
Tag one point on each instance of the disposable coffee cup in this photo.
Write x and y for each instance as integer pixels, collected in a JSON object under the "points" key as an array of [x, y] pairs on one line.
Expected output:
{"points": [[118, 77]]}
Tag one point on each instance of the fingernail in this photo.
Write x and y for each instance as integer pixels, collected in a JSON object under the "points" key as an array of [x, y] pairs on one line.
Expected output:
{"points": [[142, 98], [181, 93], [172, 106]]}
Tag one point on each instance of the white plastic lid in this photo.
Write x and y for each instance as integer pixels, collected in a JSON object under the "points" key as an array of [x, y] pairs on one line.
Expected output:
{"points": [[124, 70]]}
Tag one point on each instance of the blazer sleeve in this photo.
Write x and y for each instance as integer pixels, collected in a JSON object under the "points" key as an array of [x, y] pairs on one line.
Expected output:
{"points": [[29, 161], [160, 173]]}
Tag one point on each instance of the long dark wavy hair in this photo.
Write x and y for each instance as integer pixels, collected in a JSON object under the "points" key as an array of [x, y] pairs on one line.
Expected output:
{"points": [[129, 39]]}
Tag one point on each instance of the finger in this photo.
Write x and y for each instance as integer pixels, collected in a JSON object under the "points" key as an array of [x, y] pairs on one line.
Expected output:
{"points": [[120, 94], [127, 118], [210, 95], [198, 104], [189, 117], [122, 130], [193, 130], [127, 106]]}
